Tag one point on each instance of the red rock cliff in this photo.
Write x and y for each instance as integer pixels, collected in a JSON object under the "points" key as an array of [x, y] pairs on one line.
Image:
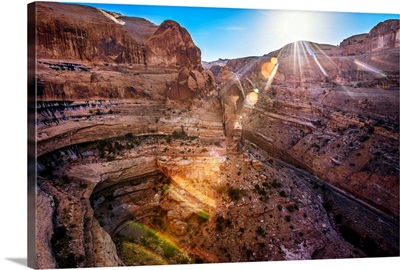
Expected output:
{"points": [[148, 60], [384, 35]]}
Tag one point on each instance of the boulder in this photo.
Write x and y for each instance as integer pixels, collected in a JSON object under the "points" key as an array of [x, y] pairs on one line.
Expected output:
{"points": [[179, 227]]}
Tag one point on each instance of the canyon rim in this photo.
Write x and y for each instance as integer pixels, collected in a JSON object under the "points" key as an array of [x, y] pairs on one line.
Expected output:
{"points": [[143, 154]]}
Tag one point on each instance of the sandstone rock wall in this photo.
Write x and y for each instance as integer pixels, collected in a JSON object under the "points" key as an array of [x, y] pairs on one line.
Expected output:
{"points": [[385, 35], [172, 45], [326, 110], [64, 34], [163, 60]]}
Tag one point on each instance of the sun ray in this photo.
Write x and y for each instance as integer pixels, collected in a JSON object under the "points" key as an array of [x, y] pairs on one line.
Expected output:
{"points": [[243, 70], [366, 67], [271, 77], [303, 60], [324, 53], [311, 52]]}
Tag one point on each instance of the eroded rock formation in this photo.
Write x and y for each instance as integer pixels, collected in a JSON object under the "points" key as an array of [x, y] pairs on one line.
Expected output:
{"points": [[171, 45], [385, 35], [332, 110], [111, 47]]}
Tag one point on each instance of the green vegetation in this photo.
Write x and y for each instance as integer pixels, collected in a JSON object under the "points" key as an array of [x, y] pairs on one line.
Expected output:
{"points": [[109, 148], [220, 223], [165, 187], [134, 254], [60, 243], [83, 185], [203, 216], [180, 134], [292, 207], [266, 185], [234, 193], [62, 182], [327, 205], [149, 242], [364, 138], [276, 184], [260, 230], [262, 191]]}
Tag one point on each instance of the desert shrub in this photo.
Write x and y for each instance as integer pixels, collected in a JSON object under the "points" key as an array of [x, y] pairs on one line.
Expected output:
{"points": [[266, 185], [260, 230], [60, 243], [228, 223], [180, 134], [370, 129], [233, 193], [327, 206], [129, 136], [83, 185], [276, 184], [203, 216], [363, 138], [282, 193], [291, 208]]}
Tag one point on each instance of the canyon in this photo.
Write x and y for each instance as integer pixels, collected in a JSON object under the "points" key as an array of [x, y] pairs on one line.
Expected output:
{"points": [[146, 155]]}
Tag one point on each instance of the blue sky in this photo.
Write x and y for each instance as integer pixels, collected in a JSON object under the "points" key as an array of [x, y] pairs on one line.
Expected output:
{"points": [[234, 33]]}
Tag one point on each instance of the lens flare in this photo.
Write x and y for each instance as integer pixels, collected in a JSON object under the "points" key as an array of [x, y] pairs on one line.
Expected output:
{"points": [[370, 68], [198, 194], [252, 98], [271, 77], [268, 67], [311, 52], [217, 155]]}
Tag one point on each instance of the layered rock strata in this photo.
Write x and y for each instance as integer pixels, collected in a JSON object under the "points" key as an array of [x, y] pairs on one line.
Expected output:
{"points": [[332, 112], [121, 44]]}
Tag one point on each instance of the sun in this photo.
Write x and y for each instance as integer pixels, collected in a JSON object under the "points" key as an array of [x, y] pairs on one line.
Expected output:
{"points": [[291, 26]]}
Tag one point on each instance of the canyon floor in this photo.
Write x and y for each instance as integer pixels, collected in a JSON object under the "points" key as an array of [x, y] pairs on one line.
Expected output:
{"points": [[164, 185]]}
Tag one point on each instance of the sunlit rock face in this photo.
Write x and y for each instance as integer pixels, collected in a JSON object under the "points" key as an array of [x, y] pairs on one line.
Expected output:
{"points": [[332, 110], [143, 160], [172, 45], [385, 35], [63, 33], [137, 56]]}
